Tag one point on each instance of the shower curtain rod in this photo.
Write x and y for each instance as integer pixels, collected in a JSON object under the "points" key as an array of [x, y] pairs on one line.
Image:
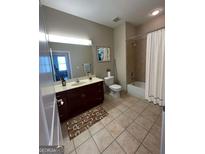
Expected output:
{"points": [[137, 37], [155, 30]]}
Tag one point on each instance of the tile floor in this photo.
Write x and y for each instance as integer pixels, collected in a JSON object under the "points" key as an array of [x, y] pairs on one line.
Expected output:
{"points": [[133, 126]]}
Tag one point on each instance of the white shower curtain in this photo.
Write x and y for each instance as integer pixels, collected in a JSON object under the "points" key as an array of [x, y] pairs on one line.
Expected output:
{"points": [[155, 64]]}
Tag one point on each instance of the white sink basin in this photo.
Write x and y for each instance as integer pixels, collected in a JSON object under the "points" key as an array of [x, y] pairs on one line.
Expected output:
{"points": [[79, 83]]}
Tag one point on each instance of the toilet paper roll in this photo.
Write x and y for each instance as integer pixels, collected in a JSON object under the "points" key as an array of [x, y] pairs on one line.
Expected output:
{"points": [[108, 74]]}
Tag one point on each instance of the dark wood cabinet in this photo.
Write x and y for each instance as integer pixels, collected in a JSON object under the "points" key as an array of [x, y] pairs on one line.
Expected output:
{"points": [[62, 105], [78, 100]]}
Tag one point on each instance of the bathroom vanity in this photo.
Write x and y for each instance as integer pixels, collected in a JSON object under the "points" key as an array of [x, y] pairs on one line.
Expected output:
{"points": [[76, 98]]}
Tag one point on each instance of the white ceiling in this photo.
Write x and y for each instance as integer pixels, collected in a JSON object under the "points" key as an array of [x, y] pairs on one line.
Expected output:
{"points": [[104, 11]]}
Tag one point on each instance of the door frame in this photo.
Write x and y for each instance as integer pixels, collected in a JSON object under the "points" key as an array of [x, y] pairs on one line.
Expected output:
{"points": [[67, 53]]}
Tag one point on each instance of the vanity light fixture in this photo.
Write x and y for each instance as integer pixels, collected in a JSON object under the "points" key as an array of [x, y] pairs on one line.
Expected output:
{"points": [[43, 36], [69, 40]]}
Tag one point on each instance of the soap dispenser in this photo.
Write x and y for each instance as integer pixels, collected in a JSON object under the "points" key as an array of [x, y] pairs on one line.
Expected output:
{"points": [[63, 81], [89, 76]]}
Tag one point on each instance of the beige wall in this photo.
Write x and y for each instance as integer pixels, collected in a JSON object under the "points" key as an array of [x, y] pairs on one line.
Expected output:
{"points": [[120, 54], [140, 59], [128, 58], [149, 26], [131, 53], [130, 30], [60, 23], [136, 48], [79, 55], [131, 61]]}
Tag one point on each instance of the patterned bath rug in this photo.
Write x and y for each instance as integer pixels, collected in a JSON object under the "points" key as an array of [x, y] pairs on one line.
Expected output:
{"points": [[85, 120]]}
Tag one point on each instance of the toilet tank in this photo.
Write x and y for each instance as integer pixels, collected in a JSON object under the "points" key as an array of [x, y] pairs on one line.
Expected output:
{"points": [[109, 80]]}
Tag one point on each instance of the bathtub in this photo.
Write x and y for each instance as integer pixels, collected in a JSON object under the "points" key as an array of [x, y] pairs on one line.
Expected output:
{"points": [[136, 89]]}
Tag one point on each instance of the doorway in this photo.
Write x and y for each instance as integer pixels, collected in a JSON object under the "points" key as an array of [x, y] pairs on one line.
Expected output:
{"points": [[61, 65]]}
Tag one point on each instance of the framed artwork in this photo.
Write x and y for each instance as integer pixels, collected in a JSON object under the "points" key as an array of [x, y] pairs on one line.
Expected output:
{"points": [[103, 54]]}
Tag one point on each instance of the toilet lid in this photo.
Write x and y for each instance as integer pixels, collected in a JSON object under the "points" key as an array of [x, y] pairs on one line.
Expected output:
{"points": [[115, 86]]}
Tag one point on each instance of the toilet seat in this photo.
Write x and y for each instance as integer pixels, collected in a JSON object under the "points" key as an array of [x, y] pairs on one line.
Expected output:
{"points": [[115, 87]]}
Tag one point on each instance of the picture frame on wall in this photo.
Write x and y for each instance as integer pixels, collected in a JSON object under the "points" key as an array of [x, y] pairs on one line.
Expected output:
{"points": [[103, 54]]}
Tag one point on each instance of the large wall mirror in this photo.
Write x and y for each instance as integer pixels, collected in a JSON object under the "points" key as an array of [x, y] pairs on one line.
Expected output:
{"points": [[70, 60]]}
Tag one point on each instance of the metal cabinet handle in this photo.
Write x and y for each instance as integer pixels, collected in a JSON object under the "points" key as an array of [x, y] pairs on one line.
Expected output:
{"points": [[60, 101]]}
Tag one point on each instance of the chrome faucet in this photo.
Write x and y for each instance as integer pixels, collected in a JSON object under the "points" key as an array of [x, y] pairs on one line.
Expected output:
{"points": [[77, 80]]}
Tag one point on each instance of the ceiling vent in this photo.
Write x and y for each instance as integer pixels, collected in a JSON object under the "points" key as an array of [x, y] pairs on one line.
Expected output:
{"points": [[116, 19]]}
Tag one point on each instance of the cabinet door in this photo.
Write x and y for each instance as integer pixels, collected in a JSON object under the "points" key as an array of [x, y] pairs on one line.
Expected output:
{"points": [[99, 91], [95, 93], [76, 99], [63, 108]]}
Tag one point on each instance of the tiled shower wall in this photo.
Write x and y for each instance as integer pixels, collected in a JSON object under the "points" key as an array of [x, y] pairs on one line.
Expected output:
{"points": [[140, 50], [131, 54], [136, 60], [136, 49]]}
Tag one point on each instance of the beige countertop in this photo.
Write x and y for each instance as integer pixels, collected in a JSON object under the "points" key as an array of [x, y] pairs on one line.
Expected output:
{"points": [[74, 84]]}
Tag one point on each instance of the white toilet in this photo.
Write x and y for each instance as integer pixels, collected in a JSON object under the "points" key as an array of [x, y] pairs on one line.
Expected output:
{"points": [[114, 88]]}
